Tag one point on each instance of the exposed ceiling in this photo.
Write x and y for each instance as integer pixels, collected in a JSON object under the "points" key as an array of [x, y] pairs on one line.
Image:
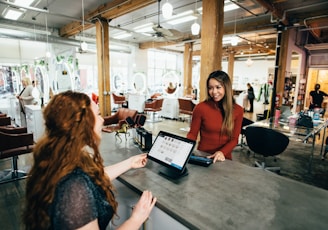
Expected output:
{"points": [[254, 22]]}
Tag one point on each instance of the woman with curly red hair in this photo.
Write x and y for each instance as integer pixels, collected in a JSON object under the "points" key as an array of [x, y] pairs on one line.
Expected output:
{"points": [[68, 186]]}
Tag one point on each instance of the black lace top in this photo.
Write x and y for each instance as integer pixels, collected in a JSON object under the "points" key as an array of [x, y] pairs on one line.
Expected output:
{"points": [[78, 201]]}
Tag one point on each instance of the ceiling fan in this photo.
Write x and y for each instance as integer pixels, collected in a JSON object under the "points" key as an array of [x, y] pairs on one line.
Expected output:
{"points": [[163, 33]]}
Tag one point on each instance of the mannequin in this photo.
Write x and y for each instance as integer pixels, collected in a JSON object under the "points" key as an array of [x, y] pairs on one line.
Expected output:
{"points": [[266, 91]]}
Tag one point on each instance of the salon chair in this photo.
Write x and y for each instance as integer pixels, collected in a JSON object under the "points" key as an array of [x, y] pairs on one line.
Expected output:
{"points": [[115, 121], [266, 142], [12, 129], [153, 107], [5, 121], [13, 143], [186, 106], [119, 100]]}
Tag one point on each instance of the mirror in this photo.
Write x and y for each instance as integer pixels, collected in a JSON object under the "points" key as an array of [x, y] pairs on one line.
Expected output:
{"points": [[42, 83], [3, 81], [139, 82], [117, 82], [24, 73], [39, 76], [16, 81], [170, 83]]}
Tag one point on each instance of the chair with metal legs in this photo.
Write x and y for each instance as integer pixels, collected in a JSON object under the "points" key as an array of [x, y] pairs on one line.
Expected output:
{"points": [[245, 123], [186, 107], [153, 107], [266, 142]]}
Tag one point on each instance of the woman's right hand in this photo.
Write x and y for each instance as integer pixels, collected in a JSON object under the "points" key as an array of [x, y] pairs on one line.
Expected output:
{"points": [[142, 209]]}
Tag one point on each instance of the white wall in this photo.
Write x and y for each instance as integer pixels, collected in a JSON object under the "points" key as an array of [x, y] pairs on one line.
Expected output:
{"points": [[256, 74]]}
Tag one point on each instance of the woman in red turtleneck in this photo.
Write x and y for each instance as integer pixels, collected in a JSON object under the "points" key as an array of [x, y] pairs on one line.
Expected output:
{"points": [[218, 119]]}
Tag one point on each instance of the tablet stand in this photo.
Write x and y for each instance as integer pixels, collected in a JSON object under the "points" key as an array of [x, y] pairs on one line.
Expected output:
{"points": [[172, 174]]}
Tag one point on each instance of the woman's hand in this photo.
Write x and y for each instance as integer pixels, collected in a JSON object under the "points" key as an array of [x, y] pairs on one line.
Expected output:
{"points": [[138, 161], [143, 208], [217, 156]]}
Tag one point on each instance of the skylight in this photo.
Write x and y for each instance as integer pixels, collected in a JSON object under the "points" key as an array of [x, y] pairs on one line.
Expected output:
{"points": [[14, 13]]}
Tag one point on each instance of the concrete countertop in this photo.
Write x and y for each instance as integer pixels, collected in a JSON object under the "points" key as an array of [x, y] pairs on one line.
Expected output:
{"points": [[226, 195]]}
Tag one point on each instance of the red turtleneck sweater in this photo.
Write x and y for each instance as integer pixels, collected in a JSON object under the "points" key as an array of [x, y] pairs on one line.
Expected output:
{"points": [[207, 120]]}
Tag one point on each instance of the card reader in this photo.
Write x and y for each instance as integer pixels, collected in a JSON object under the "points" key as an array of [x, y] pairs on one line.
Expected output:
{"points": [[202, 161]]}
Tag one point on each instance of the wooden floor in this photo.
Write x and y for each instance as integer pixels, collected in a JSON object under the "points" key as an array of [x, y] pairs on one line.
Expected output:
{"points": [[293, 163]]}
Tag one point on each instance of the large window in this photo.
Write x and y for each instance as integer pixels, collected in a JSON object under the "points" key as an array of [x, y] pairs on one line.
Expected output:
{"points": [[159, 63], [120, 81]]}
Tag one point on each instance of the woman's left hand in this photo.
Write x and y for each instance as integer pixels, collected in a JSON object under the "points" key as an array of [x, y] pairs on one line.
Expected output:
{"points": [[217, 156], [138, 161]]}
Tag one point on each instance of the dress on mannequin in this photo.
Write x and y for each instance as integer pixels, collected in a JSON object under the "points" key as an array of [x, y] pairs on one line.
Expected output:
{"points": [[265, 89]]}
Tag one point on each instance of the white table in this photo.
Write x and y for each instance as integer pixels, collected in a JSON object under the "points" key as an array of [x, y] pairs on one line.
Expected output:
{"points": [[137, 102], [170, 108], [34, 121]]}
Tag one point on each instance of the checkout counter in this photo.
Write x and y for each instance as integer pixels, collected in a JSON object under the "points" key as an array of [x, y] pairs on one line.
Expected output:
{"points": [[225, 195]]}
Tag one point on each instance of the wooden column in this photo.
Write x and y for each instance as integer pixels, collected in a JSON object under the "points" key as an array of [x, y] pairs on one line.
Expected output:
{"points": [[212, 33], [231, 64], [187, 59], [280, 66], [102, 34]]}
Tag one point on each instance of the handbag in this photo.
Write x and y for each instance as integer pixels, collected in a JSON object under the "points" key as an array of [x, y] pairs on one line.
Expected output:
{"points": [[305, 121]]}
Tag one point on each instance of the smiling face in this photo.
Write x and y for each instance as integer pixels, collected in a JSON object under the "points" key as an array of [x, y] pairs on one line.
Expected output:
{"points": [[215, 90]]}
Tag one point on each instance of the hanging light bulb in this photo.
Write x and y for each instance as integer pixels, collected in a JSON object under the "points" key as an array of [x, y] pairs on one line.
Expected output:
{"points": [[48, 54], [167, 10], [195, 28], [234, 39], [84, 46], [249, 61]]}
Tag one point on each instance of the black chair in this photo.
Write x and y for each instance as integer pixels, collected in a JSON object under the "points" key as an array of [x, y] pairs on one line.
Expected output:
{"points": [[266, 142], [245, 123], [13, 143]]}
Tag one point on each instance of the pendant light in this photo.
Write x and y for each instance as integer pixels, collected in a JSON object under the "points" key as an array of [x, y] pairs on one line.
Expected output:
{"points": [[234, 39], [48, 54], [84, 45], [195, 27], [249, 61], [167, 10]]}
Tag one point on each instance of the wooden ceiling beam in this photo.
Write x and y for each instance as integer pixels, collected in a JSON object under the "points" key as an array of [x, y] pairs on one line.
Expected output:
{"points": [[274, 10], [107, 11], [156, 44]]}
